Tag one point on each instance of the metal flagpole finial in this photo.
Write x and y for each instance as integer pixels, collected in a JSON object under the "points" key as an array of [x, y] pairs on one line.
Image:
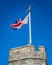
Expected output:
{"points": [[28, 10], [29, 7]]}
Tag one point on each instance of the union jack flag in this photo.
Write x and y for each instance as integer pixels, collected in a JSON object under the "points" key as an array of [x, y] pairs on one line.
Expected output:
{"points": [[19, 23]]}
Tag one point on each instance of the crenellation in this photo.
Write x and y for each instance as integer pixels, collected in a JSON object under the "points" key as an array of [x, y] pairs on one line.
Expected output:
{"points": [[27, 55]]}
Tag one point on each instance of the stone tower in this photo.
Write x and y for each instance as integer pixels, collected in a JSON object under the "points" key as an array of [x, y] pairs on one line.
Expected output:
{"points": [[27, 55]]}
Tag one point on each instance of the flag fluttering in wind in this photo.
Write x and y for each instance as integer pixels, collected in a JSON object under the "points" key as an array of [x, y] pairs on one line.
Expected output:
{"points": [[19, 23]]}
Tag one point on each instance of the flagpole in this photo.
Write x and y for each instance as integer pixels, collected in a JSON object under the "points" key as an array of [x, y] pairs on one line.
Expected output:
{"points": [[30, 37]]}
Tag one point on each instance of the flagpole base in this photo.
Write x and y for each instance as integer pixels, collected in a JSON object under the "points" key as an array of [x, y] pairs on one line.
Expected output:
{"points": [[29, 44]]}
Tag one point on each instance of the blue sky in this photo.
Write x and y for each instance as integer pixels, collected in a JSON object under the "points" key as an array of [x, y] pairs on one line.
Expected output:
{"points": [[41, 16]]}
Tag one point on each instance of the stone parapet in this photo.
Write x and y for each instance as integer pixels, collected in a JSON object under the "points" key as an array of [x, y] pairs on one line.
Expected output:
{"points": [[27, 52]]}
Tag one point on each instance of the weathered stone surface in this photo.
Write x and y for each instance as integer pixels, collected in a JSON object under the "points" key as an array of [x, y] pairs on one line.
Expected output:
{"points": [[27, 56]]}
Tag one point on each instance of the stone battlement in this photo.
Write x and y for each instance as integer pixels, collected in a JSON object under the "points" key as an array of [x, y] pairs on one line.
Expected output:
{"points": [[26, 52]]}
